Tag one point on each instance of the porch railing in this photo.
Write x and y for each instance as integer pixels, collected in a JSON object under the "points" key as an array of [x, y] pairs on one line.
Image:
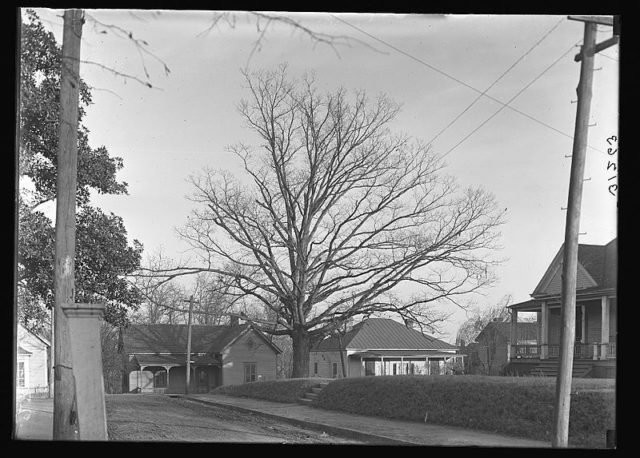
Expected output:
{"points": [[526, 351], [580, 351]]}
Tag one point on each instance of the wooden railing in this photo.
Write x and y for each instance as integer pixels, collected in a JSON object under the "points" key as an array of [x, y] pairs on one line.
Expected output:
{"points": [[526, 351], [580, 351]]}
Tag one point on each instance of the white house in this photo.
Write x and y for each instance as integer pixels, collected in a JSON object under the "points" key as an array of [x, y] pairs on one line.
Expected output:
{"points": [[32, 366]]}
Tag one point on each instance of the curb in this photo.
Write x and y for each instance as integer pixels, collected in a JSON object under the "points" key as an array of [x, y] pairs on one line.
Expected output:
{"points": [[335, 430]]}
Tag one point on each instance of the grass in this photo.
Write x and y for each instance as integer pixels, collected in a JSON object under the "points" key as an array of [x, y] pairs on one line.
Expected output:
{"points": [[274, 390], [518, 406]]}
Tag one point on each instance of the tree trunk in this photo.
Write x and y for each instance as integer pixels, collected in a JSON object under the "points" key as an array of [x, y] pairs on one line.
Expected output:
{"points": [[301, 342]]}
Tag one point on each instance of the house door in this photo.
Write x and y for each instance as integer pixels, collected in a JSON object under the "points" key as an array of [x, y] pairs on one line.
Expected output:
{"points": [[203, 380]]}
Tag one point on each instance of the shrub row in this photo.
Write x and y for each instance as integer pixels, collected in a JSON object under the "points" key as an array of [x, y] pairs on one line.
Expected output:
{"points": [[274, 390], [518, 406]]}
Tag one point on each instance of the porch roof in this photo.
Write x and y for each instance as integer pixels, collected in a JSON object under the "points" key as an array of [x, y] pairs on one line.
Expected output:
{"points": [[174, 360], [404, 354]]}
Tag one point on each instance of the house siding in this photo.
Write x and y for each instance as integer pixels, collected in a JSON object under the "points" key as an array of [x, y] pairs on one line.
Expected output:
{"points": [[325, 361], [554, 326], [36, 364], [249, 348]]}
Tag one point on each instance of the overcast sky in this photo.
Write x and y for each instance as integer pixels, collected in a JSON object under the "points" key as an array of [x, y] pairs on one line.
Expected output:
{"points": [[435, 66]]}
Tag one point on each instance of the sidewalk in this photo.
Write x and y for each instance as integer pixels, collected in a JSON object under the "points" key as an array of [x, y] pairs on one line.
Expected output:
{"points": [[372, 429]]}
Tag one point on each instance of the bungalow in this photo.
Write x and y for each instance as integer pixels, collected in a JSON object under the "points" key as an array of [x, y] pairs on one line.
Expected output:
{"points": [[380, 346], [596, 317], [32, 365], [154, 357]]}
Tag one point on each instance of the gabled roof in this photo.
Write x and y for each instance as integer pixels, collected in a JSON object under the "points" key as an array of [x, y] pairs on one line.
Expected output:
{"points": [[172, 338], [597, 270], [39, 337], [383, 334], [526, 330]]}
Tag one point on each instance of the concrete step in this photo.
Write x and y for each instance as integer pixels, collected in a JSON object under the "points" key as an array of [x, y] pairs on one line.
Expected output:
{"points": [[316, 390], [305, 400], [309, 395]]}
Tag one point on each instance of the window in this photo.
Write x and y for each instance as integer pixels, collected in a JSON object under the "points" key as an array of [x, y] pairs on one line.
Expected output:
{"points": [[21, 379], [335, 370], [315, 368], [249, 372]]}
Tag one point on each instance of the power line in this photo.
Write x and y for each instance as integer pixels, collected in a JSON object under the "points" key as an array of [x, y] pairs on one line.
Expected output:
{"points": [[459, 81], [510, 100], [498, 79]]}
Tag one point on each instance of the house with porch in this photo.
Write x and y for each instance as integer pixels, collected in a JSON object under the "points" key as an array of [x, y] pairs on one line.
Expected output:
{"points": [[155, 357], [596, 317], [381, 346]]}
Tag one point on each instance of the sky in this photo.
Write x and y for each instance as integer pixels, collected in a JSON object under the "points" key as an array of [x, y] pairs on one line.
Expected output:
{"points": [[435, 66]]}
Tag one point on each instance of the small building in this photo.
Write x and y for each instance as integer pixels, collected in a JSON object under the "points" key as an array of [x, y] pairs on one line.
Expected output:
{"points": [[32, 365], [381, 346], [488, 354], [154, 357], [596, 317]]}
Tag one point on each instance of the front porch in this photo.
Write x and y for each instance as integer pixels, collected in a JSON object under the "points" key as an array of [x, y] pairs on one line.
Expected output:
{"points": [[404, 362], [162, 374]]}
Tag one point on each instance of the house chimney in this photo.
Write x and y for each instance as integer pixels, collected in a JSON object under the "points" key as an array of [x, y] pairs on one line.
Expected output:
{"points": [[234, 320]]}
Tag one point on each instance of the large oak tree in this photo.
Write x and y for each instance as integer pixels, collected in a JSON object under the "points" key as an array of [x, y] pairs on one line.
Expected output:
{"points": [[336, 217]]}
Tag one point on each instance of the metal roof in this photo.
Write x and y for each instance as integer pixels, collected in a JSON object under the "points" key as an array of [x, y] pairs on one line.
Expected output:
{"points": [[383, 334]]}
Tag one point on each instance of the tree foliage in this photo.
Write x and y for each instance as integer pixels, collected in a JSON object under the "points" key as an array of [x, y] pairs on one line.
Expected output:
{"points": [[336, 216], [103, 254]]}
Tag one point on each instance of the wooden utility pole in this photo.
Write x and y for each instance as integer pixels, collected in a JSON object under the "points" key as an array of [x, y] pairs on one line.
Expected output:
{"points": [[65, 419], [188, 379], [560, 436]]}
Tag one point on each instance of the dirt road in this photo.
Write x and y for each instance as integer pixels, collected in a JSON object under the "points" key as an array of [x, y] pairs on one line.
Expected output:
{"points": [[161, 418]]}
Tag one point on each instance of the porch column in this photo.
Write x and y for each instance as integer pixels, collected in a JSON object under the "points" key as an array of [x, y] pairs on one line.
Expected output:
{"points": [[544, 331], [604, 332], [166, 368], [583, 324], [382, 369], [426, 360], [513, 340], [402, 365]]}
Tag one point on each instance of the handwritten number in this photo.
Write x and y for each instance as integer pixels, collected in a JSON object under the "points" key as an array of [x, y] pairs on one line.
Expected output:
{"points": [[611, 151], [615, 188], [612, 138], [611, 164]]}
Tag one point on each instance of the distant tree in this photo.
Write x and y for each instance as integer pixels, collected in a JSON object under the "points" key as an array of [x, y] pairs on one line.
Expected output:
{"points": [[336, 215]]}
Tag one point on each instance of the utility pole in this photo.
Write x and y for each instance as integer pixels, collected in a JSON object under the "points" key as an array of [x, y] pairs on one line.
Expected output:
{"points": [[65, 418], [188, 380], [560, 438]]}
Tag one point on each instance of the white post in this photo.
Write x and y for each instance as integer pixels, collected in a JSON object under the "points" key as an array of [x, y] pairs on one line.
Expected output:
{"points": [[604, 332], [583, 313], [86, 354], [513, 335], [167, 368], [428, 367], [544, 331], [402, 366]]}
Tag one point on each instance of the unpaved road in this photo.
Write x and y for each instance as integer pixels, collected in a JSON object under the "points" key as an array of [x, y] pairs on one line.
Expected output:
{"points": [[161, 418]]}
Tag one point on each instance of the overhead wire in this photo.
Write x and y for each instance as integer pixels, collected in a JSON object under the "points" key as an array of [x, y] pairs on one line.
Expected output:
{"points": [[510, 100], [483, 93], [535, 45]]}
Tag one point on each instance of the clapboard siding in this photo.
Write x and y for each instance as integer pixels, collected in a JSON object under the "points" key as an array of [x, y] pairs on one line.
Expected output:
{"points": [[325, 361], [248, 348]]}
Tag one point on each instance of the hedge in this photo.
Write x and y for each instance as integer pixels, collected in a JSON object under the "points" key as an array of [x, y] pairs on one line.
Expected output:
{"points": [[518, 406], [289, 390]]}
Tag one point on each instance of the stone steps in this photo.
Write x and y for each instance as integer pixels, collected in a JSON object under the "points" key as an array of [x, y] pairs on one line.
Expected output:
{"points": [[312, 393]]}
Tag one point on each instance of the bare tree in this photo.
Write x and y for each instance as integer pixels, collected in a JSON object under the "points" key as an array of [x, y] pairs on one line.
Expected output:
{"points": [[162, 301], [338, 216]]}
